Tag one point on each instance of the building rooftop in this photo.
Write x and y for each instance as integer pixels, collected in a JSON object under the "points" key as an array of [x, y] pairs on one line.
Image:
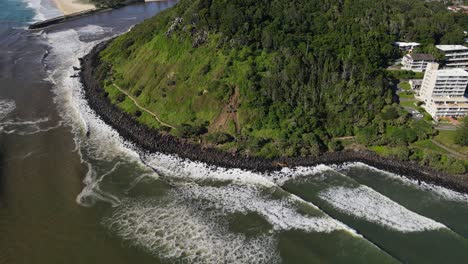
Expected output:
{"points": [[421, 57], [452, 72], [451, 47], [403, 44]]}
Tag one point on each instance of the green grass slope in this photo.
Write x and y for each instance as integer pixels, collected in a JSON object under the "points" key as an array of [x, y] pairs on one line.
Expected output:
{"points": [[274, 78]]}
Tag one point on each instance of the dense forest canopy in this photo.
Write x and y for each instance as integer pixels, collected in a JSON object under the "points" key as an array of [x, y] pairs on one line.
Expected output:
{"points": [[302, 71]]}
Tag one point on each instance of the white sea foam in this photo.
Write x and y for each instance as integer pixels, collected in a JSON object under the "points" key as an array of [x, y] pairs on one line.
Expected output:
{"points": [[176, 167], [288, 174], [27, 127], [182, 168], [66, 49], [172, 231], [93, 30], [279, 213], [20, 126], [244, 197], [437, 191], [6, 107], [36, 6], [103, 144], [92, 191], [365, 203], [44, 9]]}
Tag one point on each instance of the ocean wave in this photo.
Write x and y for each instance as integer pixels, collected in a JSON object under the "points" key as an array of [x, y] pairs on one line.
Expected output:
{"points": [[438, 192], [173, 231], [365, 203], [296, 173], [43, 9], [95, 141], [280, 213]]}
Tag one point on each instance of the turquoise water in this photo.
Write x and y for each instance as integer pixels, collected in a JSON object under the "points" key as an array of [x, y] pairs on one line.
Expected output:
{"points": [[16, 11], [21, 12]]}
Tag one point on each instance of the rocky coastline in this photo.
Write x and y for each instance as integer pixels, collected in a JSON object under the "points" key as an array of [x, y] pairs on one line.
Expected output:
{"points": [[153, 141], [64, 18]]}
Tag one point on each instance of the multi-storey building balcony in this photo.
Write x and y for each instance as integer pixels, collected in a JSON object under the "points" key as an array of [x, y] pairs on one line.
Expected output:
{"points": [[416, 62], [456, 56], [443, 91]]}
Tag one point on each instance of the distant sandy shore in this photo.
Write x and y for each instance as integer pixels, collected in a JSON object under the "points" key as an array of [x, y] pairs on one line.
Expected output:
{"points": [[68, 7]]}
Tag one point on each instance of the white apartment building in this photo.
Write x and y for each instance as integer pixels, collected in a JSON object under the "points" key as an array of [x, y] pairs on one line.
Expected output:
{"points": [[443, 91], [416, 61], [456, 56]]}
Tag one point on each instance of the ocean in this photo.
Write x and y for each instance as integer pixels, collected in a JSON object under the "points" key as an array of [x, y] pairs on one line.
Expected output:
{"points": [[69, 197]]}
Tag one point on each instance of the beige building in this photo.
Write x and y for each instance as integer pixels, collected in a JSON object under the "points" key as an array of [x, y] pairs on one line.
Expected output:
{"points": [[443, 91], [456, 56], [416, 61]]}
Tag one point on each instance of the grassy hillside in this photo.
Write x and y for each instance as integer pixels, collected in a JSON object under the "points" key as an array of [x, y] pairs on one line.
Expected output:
{"points": [[273, 78]]}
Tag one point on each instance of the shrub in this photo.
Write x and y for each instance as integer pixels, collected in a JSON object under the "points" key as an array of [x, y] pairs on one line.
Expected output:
{"points": [[188, 130], [389, 113], [335, 145], [456, 167], [461, 137], [121, 98], [219, 138]]}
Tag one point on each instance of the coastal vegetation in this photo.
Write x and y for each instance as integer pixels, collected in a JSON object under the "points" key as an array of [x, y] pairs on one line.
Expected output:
{"points": [[461, 136], [279, 78]]}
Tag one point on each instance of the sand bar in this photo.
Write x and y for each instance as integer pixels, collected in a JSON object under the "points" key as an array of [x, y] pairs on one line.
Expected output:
{"points": [[68, 7]]}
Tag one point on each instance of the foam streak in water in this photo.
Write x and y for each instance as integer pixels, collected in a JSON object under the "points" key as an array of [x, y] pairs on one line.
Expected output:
{"points": [[244, 199], [6, 107], [439, 191], [365, 203], [175, 232]]}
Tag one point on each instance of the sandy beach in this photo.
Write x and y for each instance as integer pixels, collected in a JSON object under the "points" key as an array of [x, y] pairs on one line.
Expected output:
{"points": [[68, 7]]}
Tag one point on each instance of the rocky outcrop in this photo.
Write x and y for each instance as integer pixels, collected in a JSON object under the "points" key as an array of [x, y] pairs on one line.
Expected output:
{"points": [[154, 141], [174, 26]]}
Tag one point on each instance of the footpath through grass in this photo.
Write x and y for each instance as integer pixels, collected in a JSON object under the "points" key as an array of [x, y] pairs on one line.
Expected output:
{"points": [[447, 138]]}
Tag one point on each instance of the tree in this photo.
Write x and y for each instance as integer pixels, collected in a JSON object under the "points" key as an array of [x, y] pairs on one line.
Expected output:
{"points": [[461, 136], [335, 145]]}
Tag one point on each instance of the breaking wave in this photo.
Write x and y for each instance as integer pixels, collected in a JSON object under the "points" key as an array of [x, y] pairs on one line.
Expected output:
{"points": [[437, 191], [281, 214], [175, 232], [43, 10], [365, 203]]}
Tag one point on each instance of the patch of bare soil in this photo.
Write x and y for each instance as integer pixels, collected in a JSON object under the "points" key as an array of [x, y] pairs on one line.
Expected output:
{"points": [[227, 114]]}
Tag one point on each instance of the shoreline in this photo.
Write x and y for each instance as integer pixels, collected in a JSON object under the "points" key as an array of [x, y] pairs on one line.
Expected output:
{"points": [[69, 7], [75, 15], [153, 141]]}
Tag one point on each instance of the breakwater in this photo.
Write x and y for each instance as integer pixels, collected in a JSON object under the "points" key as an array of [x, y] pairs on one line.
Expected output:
{"points": [[154, 141], [61, 19]]}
